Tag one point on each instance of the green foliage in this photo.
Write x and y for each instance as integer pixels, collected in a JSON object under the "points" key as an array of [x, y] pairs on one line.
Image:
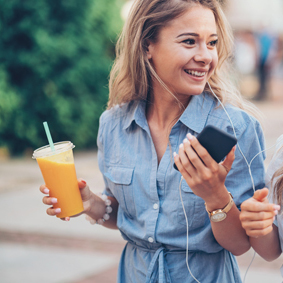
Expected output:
{"points": [[54, 64]]}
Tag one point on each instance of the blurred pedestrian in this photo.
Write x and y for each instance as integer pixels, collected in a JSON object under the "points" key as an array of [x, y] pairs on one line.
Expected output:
{"points": [[245, 52], [266, 45], [276, 72]]}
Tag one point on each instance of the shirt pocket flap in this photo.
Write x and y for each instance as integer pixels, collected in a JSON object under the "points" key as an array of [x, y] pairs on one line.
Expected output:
{"points": [[120, 175]]}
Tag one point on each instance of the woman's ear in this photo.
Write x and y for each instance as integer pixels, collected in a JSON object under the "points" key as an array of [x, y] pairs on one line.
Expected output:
{"points": [[149, 48]]}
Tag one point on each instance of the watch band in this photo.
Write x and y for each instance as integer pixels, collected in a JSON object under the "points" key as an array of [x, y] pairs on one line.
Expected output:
{"points": [[222, 211]]}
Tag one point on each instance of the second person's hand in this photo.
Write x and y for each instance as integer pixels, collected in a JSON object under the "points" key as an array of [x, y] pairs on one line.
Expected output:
{"points": [[257, 214]]}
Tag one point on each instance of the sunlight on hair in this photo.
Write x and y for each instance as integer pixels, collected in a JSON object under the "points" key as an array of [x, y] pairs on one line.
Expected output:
{"points": [[126, 9]]}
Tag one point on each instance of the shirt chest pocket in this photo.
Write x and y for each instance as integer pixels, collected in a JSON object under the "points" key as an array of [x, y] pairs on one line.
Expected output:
{"points": [[121, 185], [194, 206]]}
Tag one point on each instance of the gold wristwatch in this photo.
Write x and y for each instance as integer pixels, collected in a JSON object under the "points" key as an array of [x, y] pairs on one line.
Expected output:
{"points": [[220, 214]]}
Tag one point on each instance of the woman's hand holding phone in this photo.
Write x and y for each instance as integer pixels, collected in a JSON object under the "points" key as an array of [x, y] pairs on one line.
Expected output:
{"points": [[202, 173]]}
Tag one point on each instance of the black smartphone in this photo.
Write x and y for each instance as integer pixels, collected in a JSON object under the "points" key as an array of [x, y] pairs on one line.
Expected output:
{"points": [[217, 142]]}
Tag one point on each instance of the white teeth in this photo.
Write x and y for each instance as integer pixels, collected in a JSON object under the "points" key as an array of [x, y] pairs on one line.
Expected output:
{"points": [[195, 73]]}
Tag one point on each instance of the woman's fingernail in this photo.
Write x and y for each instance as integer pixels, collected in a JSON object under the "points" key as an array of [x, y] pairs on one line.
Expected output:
{"points": [[190, 136], [276, 207], [185, 141], [54, 200], [83, 181], [46, 191], [174, 154], [57, 210], [181, 145]]}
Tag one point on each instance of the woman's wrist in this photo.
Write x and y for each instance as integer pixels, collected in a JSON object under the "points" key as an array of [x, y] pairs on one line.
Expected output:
{"points": [[100, 209], [94, 206], [218, 201]]}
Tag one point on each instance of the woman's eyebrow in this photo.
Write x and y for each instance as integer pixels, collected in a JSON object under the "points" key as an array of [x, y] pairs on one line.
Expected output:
{"points": [[194, 34]]}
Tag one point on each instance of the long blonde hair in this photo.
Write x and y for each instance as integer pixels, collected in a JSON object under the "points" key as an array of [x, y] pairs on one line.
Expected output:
{"points": [[132, 74], [278, 185]]}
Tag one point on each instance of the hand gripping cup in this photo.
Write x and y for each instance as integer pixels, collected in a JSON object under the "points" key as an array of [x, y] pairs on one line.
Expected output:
{"points": [[57, 166]]}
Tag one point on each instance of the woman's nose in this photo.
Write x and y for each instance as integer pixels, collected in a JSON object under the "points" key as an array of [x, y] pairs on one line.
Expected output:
{"points": [[203, 55]]}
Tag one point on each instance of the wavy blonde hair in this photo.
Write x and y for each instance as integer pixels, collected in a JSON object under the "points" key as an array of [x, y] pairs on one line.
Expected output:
{"points": [[132, 74], [278, 186]]}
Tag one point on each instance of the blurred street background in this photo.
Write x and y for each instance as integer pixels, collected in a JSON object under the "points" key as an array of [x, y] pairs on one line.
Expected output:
{"points": [[55, 58]]}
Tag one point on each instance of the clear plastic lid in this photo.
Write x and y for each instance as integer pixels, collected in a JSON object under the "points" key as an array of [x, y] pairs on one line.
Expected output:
{"points": [[47, 151]]}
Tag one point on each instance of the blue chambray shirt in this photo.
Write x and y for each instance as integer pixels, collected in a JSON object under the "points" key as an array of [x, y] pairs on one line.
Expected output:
{"points": [[150, 214]]}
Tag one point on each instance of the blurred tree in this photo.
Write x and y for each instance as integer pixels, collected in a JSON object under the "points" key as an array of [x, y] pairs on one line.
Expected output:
{"points": [[54, 64]]}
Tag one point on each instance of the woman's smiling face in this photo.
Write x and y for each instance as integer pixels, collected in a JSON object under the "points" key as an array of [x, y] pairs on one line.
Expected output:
{"points": [[185, 54]]}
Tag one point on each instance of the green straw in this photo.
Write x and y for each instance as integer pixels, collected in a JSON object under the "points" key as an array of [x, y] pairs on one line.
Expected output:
{"points": [[49, 136]]}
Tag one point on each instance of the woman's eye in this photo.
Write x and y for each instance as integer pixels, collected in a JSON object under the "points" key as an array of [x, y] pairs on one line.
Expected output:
{"points": [[189, 41], [213, 43]]}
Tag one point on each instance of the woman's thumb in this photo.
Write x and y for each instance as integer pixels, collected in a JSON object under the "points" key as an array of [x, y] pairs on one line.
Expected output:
{"points": [[227, 163], [261, 195], [82, 183], [85, 192]]}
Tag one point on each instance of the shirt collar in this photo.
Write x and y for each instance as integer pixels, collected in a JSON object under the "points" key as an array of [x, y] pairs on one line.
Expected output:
{"points": [[137, 114], [196, 113], [194, 116]]}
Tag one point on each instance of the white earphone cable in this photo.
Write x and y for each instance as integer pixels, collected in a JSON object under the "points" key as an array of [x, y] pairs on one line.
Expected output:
{"points": [[249, 167], [248, 164], [252, 180], [187, 246]]}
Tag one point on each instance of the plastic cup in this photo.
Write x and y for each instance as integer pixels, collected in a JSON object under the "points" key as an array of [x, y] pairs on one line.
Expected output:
{"points": [[59, 174]]}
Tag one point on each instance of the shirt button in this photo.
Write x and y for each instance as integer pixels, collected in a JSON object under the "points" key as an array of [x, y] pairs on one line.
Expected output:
{"points": [[155, 206], [150, 239]]}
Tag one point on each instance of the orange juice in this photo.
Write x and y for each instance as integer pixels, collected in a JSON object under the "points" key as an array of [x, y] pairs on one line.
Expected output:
{"points": [[59, 173]]}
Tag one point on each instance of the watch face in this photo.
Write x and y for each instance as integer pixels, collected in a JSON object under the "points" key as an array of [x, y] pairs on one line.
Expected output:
{"points": [[218, 216]]}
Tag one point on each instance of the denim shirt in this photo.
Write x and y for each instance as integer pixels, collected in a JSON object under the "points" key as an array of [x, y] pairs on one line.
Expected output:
{"points": [[150, 214]]}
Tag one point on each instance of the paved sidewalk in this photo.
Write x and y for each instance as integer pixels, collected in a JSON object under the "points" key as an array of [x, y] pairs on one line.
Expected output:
{"points": [[36, 248]]}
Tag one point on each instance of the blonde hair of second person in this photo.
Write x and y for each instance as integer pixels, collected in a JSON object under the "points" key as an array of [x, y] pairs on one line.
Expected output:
{"points": [[258, 216]]}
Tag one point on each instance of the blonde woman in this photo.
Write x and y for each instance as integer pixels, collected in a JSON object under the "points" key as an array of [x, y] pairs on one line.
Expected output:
{"points": [[160, 100]]}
